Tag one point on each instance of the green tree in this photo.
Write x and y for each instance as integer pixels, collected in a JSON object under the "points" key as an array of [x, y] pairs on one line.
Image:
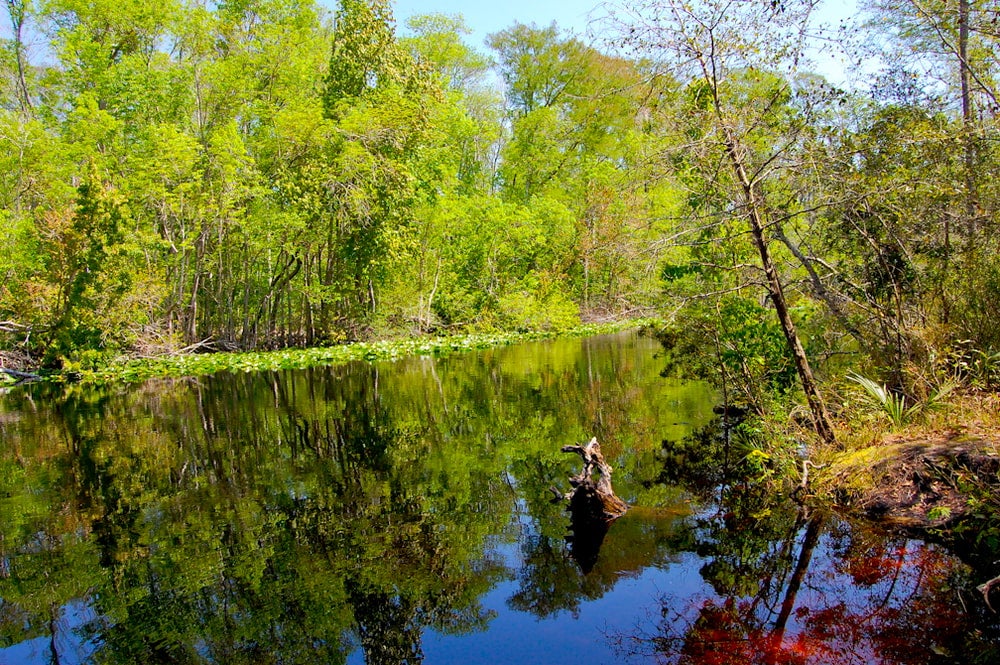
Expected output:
{"points": [[19, 13], [743, 118], [379, 98], [577, 138], [944, 53], [86, 268]]}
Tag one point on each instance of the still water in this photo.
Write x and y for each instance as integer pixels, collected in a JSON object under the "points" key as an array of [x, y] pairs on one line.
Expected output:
{"points": [[402, 513]]}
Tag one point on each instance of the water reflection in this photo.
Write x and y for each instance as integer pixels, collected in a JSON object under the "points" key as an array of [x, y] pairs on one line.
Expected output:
{"points": [[400, 513], [914, 612], [786, 585]]}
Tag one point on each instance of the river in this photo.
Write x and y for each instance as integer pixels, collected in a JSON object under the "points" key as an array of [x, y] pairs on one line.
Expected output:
{"points": [[402, 513]]}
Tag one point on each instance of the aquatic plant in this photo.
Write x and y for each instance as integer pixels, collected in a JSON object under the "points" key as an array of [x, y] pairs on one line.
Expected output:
{"points": [[132, 370]]}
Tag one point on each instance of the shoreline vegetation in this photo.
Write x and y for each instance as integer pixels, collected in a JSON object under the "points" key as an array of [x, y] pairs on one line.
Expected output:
{"points": [[128, 369], [939, 478]]}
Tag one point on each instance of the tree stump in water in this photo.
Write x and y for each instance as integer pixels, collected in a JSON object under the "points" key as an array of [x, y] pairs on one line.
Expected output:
{"points": [[593, 505], [597, 498]]}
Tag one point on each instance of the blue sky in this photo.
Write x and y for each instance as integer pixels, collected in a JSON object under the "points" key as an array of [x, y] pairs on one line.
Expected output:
{"points": [[488, 16], [485, 16]]}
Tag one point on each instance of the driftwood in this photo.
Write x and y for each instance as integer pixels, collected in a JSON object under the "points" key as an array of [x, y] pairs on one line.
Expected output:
{"points": [[593, 504], [985, 589]]}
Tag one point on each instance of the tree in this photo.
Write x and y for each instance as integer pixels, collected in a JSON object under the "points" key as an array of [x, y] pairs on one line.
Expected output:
{"points": [[468, 125], [84, 251], [437, 41], [577, 138], [717, 46], [946, 52], [19, 11], [379, 99]]}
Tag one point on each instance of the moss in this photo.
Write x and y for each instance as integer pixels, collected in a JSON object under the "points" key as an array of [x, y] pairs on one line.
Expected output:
{"points": [[852, 472]]}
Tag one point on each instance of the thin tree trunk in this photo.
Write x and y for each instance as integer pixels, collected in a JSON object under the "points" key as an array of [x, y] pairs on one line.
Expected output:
{"points": [[18, 14], [307, 306], [821, 419], [428, 321], [754, 209], [192, 310], [968, 121]]}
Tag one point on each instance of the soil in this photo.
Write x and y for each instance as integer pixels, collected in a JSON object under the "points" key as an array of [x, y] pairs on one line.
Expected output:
{"points": [[917, 483]]}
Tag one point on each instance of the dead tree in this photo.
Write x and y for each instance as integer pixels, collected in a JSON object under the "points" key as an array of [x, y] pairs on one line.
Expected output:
{"points": [[592, 504], [597, 498]]}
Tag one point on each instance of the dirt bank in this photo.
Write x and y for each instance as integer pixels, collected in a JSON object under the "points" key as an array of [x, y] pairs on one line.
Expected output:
{"points": [[931, 481]]}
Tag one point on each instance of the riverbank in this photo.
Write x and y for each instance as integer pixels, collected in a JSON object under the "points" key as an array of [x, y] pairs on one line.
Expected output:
{"points": [[128, 369], [941, 478]]}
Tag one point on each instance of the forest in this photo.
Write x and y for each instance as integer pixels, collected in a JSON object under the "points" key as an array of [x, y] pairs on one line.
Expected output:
{"points": [[280, 187], [262, 174]]}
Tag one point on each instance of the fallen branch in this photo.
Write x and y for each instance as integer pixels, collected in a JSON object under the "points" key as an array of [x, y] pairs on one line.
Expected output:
{"points": [[20, 376], [804, 485], [13, 326]]}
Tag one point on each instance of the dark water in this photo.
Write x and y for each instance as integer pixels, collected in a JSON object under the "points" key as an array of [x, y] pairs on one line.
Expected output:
{"points": [[401, 513]]}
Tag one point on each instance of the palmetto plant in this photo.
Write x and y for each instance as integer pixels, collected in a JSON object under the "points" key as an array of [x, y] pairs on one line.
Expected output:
{"points": [[894, 404]]}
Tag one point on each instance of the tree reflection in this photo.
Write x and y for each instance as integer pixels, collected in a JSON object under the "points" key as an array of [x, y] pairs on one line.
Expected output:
{"points": [[550, 581], [268, 536], [345, 513], [388, 627], [793, 587]]}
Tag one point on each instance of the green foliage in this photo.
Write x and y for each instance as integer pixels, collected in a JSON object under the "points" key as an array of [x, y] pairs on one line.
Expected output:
{"points": [[737, 346], [85, 250], [973, 366], [894, 405], [365, 55], [437, 40], [285, 180], [538, 303], [978, 288]]}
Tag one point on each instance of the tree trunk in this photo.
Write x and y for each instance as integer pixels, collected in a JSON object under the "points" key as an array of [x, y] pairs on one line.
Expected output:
{"points": [[809, 543], [18, 15], [821, 419], [968, 121]]}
